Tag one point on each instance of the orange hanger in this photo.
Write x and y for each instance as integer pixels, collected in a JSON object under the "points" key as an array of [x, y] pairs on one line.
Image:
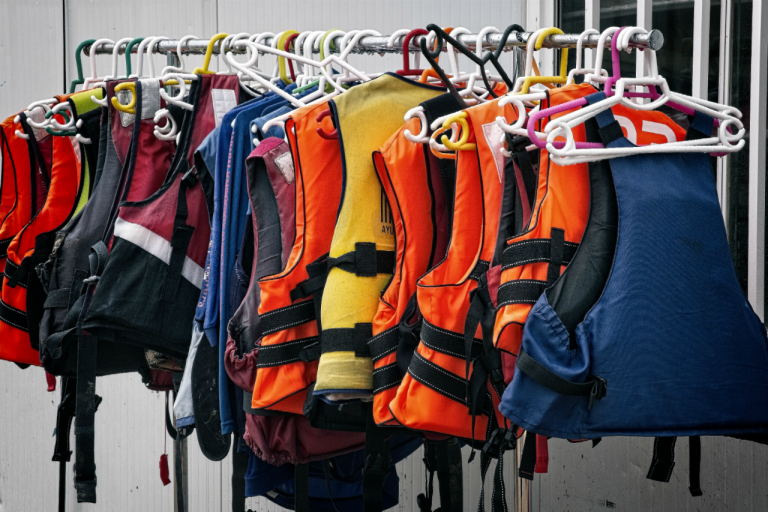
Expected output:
{"points": [[431, 73]]}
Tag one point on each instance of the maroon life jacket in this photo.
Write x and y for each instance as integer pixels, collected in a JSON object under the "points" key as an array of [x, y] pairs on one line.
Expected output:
{"points": [[149, 283]]}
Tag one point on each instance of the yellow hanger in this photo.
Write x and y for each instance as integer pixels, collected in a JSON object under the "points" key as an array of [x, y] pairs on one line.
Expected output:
{"points": [[459, 118], [281, 60], [130, 108], [208, 53], [563, 64]]}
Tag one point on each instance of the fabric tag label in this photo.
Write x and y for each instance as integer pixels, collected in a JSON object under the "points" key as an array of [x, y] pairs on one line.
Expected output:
{"points": [[493, 134], [124, 98], [223, 101], [285, 164]]}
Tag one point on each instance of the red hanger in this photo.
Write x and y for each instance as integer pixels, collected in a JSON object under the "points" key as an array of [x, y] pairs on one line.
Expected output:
{"points": [[334, 135], [407, 71], [286, 47]]}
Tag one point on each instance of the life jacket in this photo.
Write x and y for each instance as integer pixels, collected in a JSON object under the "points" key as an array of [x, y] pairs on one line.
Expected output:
{"points": [[64, 184], [289, 439], [287, 355], [362, 257], [433, 394], [80, 105], [137, 174], [149, 281], [559, 216], [694, 362], [15, 185], [410, 176]]}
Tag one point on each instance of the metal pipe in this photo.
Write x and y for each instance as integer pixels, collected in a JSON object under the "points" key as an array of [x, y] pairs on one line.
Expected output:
{"points": [[378, 44]]}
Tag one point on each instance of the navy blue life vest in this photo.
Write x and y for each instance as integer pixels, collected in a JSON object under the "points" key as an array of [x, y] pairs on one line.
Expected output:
{"points": [[647, 332]]}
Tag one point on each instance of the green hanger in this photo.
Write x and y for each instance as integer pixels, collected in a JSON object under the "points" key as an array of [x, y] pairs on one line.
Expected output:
{"points": [[51, 131], [80, 79], [128, 49]]}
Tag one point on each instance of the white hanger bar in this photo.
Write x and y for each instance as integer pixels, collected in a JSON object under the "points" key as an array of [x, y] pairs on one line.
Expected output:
{"points": [[381, 44]]}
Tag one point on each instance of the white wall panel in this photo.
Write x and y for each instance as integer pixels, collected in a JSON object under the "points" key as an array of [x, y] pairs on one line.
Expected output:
{"points": [[129, 422]]}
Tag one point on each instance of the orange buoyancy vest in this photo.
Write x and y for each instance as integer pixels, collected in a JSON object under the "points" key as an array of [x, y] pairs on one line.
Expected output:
{"points": [[433, 394], [534, 260], [15, 184], [64, 187], [411, 180], [289, 309]]}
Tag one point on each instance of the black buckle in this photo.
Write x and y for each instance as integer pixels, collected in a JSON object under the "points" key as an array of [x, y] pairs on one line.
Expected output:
{"points": [[190, 178], [599, 390], [376, 468], [310, 352], [520, 142], [500, 441]]}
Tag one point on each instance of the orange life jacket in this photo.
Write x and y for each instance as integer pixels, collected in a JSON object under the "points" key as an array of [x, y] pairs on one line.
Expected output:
{"points": [[408, 173], [289, 309], [64, 187], [15, 194], [433, 394], [534, 259]]}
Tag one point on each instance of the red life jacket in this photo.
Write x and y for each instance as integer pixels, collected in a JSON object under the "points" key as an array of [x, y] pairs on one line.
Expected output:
{"points": [[64, 186]]}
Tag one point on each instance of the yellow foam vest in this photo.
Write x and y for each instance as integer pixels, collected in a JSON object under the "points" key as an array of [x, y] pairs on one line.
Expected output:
{"points": [[362, 250]]}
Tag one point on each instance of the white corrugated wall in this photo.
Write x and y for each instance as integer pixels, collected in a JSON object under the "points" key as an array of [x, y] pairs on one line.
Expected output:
{"points": [[129, 423]]}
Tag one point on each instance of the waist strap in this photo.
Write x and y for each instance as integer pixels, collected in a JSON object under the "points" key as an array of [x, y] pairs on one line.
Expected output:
{"points": [[365, 261]]}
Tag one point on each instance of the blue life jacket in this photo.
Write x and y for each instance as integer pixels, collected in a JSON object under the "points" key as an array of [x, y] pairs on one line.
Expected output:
{"points": [[647, 332]]}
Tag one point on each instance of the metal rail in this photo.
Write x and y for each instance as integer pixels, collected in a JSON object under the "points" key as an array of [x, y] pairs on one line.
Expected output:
{"points": [[378, 44]]}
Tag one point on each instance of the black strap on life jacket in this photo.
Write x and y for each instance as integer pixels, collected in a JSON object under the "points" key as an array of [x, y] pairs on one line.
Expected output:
{"points": [[376, 465], [498, 442], [594, 387], [239, 468], [85, 409], [443, 458], [64, 417], [663, 462], [365, 261]]}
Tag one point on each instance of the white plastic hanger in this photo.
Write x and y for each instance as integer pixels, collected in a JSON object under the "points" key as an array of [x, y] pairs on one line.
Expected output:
{"points": [[94, 78], [182, 65], [470, 89], [578, 70]]}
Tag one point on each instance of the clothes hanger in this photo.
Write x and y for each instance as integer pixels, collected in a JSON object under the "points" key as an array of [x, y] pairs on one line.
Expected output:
{"points": [[94, 78], [570, 151], [470, 89], [182, 68], [208, 54], [407, 70], [596, 76], [45, 105], [116, 56], [128, 49], [79, 80], [281, 62], [431, 42], [287, 47], [560, 79], [492, 57], [432, 59], [347, 44], [578, 70]]}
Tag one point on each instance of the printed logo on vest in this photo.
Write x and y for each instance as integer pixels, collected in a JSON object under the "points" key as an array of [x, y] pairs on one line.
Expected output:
{"points": [[285, 164], [223, 101], [493, 134], [385, 215]]}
